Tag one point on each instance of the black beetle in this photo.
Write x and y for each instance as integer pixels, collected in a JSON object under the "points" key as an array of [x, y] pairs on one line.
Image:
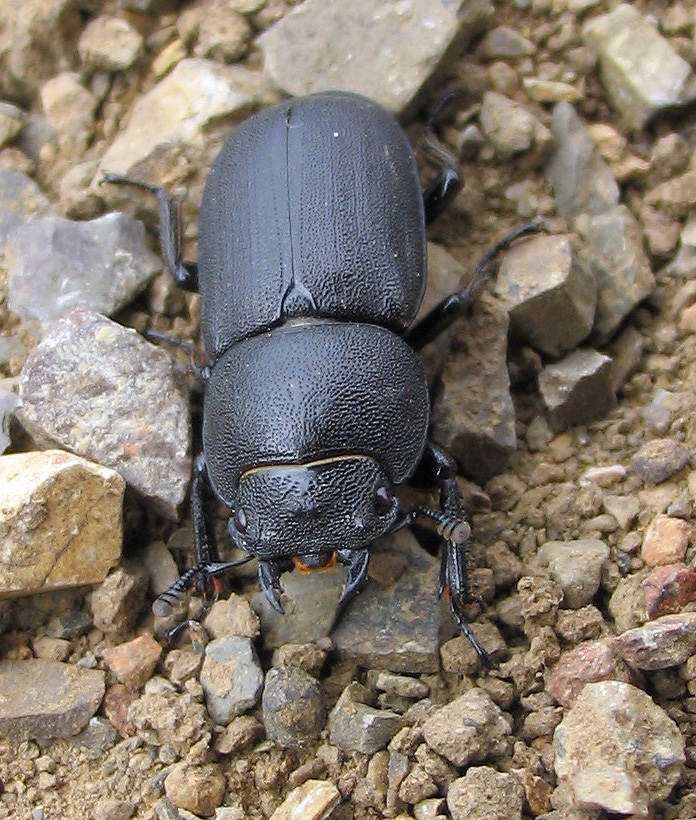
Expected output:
{"points": [[311, 268]]}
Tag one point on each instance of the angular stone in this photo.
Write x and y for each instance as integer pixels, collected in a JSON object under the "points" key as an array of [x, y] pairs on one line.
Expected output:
{"points": [[577, 389], [109, 44], [56, 265], [614, 251], [668, 589], [21, 199], [60, 521], [43, 699], [388, 60], [617, 750], [484, 794], [640, 70], [576, 566], [659, 644], [666, 540], [101, 390], [356, 726], [587, 662], [511, 129], [133, 662], [474, 417], [544, 277], [394, 623], [293, 712], [70, 108], [310, 601], [35, 41], [181, 122], [313, 800], [231, 678], [119, 600], [660, 458], [468, 729], [582, 181]]}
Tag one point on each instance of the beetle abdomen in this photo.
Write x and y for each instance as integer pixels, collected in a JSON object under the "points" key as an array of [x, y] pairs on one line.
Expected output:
{"points": [[304, 392], [313, 207]]}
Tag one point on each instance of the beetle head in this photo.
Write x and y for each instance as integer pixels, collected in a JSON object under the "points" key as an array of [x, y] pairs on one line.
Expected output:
{"points": [[310, 510]]}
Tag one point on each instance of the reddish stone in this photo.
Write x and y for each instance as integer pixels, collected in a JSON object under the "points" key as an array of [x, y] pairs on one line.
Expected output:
{"points": [[117, 701], [587, 662], [666, 540], [133, 663], [668, 589], [659, 644]]}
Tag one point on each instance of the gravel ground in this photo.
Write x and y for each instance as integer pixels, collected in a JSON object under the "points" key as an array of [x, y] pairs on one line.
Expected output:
{"points": [[566, 398]]}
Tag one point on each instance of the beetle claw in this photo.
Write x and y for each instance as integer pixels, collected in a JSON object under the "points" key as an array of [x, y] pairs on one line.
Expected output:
{"points": [[269, 579], [357, 562]]}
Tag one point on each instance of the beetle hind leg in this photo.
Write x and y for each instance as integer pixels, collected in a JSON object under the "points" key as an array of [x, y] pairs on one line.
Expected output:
{"points": [[185, 274]]}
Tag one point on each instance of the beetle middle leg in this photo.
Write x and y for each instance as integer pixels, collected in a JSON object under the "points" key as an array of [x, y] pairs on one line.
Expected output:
{"points": [[185, 274], [455, 530], [457, 304]]}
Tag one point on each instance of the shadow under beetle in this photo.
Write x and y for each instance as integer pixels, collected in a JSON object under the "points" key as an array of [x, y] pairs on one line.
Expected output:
{"points": [[311, 269]]}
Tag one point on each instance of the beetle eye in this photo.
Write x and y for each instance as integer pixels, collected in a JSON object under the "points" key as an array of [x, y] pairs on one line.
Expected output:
{"points": [[383, 499], [241, 521]]}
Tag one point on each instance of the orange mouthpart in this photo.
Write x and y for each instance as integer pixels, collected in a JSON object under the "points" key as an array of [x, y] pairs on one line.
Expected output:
{"points": [[330, 564]]}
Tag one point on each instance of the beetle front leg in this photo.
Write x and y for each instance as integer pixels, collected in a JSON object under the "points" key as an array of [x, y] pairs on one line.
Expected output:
{"points": [[185, 274], [455, 530]]}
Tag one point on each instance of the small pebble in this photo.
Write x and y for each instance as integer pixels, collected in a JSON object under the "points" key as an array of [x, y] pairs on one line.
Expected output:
{"points": [[198, 789], [231, 678], [659, 459], [666, 540], [292, 707], [485, 794], [133, 662]]}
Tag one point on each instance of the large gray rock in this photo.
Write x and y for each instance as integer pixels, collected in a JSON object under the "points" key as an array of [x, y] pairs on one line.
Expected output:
{"points": [[44, 699], [474, 417], [544, 278], [56, 265], [640, 70], [617, 750], [60, 521], [386, 50], [181, 122], [103, 392]]}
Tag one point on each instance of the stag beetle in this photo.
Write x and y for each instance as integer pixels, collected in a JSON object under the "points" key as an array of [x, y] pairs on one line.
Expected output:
{"points": [[311, 269]]}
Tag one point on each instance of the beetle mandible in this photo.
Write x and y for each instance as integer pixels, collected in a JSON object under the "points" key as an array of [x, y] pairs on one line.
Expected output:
{"points": [[311, 269]]}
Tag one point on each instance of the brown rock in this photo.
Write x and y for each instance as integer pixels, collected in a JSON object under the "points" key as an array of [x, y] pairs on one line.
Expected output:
{"points": [[666, 641], [588, 662], [117, 702], [313, 800], [60, 521], [666, 540], [198, 789], [133, 662], [44, 699], [668, 589], [470, 728]]}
